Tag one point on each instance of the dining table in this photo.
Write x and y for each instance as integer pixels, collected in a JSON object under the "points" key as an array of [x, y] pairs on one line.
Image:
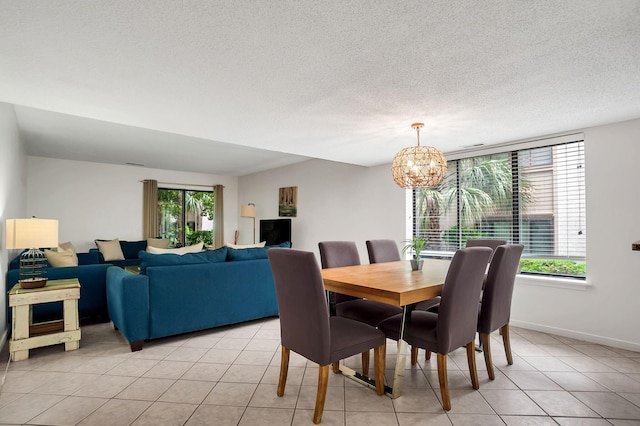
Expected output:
{"points": [[394, 283]]}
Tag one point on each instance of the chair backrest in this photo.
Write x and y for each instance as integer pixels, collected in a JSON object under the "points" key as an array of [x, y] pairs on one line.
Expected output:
{"points": [[495, 307], [304, 319], [334, 254], [493, 244], [458, 311], [381, 251]]}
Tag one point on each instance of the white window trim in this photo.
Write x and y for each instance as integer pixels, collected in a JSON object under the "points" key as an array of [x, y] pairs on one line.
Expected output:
{"points": [[555, 282]]}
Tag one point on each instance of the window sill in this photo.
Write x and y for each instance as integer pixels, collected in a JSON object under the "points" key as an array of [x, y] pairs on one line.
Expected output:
{"points": [[547, 281]]}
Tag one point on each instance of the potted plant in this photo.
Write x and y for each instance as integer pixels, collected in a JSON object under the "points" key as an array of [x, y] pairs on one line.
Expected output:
{"points": [[416, 245]]}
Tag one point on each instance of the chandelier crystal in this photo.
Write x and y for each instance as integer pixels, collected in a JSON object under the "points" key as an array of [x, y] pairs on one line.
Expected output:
{"points": [[419, 166]]}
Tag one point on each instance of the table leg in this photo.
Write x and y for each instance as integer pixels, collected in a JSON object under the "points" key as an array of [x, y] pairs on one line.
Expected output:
{"points": [[401, 358], [71, 322], [20, 323]]}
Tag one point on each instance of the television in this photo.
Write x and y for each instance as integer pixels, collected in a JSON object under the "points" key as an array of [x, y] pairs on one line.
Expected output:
{"points": [[275, 231]]}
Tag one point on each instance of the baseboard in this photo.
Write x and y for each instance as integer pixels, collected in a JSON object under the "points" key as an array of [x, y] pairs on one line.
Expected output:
{"points": [[592, 338]]}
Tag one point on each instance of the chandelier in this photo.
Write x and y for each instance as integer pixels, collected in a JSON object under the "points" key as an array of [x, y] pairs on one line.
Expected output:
{"points": [[419, 166]]}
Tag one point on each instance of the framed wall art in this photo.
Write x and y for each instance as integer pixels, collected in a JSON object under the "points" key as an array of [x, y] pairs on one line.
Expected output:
{"points": [[288, 201]]}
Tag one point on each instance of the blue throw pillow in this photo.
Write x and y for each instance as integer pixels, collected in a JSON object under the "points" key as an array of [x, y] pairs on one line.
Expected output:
{"points": [[252, 253], [217, 255], [151, 259], [130, 249]]}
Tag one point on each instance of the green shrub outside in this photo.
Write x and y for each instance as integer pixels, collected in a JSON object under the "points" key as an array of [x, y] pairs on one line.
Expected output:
{"points": [[557, 267], [193, 237]]}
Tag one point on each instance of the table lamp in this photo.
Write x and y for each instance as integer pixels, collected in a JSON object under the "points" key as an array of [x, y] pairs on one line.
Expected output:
{"points": [[32, 234], [250, 211]]}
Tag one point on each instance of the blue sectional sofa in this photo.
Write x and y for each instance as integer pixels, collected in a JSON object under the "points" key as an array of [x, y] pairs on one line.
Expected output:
{"points": [[93, 294], [176, 294]]}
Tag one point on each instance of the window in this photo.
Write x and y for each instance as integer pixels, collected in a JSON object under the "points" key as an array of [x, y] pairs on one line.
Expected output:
{"points": [[186, 217], [535, 197]]}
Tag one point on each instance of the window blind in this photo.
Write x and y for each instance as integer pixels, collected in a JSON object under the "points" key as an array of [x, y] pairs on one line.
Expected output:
{"points": [[533, 196]]}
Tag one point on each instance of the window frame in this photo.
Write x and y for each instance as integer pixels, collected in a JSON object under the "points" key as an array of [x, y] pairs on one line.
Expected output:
{"points": [[517, 225], [182, 235]]}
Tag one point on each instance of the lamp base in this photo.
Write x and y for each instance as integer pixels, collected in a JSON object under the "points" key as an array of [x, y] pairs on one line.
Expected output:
{"points": [[33, 283]]}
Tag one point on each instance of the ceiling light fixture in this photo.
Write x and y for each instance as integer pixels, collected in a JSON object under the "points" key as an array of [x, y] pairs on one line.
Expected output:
{"points": [[419, 166]]}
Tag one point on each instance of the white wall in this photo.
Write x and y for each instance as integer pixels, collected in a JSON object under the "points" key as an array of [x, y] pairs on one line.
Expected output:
{"points": [[606, 311], [335, 202], [342, 202], [13, 189], [104, 201]]}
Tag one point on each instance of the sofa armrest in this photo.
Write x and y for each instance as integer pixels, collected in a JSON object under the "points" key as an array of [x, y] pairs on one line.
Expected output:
{"points": [[128, 303]]}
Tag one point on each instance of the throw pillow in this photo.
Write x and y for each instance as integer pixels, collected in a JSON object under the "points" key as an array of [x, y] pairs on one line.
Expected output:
{"points": [[67, 246], [110, 250], [182, 250], [149, 259], [162, 243], [61, 258], [130, 249], [244, 246]]}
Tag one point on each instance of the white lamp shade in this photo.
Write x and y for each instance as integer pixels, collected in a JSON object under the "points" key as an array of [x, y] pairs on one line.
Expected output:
{"points": [[248, 211], [31, 233]]}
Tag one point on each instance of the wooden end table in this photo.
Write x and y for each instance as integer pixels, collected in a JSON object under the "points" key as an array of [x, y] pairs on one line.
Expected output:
{"points": [[25, 335]]}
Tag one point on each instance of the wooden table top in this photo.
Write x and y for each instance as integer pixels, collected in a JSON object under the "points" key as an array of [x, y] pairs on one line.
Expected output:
{"points": [[51, 285], [390, 282]]}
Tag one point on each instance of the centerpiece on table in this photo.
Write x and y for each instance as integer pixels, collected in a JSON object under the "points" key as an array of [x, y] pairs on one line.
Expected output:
{"points": [[416, 245]]}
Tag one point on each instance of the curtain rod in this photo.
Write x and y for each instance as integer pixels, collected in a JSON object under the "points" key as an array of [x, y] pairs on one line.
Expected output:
{"points": [[183, 184]]}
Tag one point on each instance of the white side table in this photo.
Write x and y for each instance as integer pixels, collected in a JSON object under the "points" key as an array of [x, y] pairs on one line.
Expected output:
{"points": [[25, 335]]}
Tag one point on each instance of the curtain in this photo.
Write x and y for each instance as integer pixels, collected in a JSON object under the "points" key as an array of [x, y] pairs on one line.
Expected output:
{"points": [[218, 226], [150, 209]]}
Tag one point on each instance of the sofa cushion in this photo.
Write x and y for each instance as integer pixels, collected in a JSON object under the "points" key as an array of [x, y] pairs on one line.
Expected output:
{"points": [[158, 242], [110, 250], [216, 255], [130, 249], [167, 259], [182, 250], [60, 258], [252, 253]]}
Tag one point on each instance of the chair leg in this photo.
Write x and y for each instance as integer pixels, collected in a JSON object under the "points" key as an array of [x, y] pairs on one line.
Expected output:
{"points": [[365, 363], [379, 361], [504, 330], [471, 359], [485, 341], [427, 355], [335, 366], [323, 381], [284, 369], [444, 382], [414, 355]]}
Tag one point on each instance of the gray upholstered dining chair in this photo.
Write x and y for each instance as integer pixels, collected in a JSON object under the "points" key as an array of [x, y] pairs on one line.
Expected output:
{"points": [[432, 304], [381, 251], [307, 329], [495, 306], [335, 254], [455, 324]]}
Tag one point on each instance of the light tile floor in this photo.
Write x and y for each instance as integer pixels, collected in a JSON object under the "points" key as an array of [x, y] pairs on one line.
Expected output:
{"points": [[228, 376]]}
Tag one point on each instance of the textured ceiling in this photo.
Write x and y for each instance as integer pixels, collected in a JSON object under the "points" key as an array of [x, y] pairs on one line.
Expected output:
{"points": [[234, 87]]}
